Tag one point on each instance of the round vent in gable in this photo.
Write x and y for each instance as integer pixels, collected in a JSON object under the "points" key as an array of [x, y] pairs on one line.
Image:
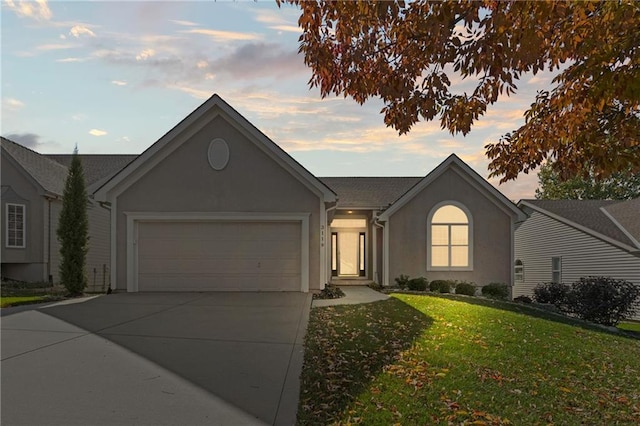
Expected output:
{"points": [[218, 154]]}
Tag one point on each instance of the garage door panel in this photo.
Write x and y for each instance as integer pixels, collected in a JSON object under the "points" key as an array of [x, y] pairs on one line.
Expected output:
{"points": [[226, 256]]}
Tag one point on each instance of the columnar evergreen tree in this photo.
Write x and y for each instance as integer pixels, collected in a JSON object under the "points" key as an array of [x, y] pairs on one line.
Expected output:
{"points": [[73, 229]]}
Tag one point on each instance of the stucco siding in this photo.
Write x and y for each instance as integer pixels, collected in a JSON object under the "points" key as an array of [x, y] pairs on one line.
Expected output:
{"points": [[252, 181], [491, 227], [540, 238]]}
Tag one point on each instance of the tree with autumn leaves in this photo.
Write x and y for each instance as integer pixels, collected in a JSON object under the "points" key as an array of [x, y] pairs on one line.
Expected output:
{"points": [[407, 54]]}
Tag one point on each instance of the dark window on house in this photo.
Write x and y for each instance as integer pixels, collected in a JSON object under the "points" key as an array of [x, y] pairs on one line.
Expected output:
{"points": [[556, 269], [15, 227]]}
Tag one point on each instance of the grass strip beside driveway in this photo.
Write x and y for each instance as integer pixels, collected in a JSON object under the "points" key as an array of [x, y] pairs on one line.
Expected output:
{"points": [[429, 360], [21, 300]]}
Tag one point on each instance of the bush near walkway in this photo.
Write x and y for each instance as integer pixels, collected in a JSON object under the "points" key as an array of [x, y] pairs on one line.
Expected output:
{"points": [[431, 360]]}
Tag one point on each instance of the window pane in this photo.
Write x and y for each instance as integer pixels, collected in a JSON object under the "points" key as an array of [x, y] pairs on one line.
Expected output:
{"points": [[362, 252], [439, 256], [555, 263], [459, 235], [349, 223], [449, 214], [334, 252], [459, 256], [439, 235]]}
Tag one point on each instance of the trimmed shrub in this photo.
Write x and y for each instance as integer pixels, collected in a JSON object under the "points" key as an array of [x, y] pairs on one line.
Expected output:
{"points": [[466, 288], [441, 286], [436, 285], [330, 291], [602, 300], [523, 299], [554, 293], [417, 284], [402, 281], [496, 291]]}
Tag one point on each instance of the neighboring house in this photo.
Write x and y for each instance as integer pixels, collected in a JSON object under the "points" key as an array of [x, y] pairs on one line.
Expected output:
{"points": [[216, 205], [32, 187], [564, 240]]}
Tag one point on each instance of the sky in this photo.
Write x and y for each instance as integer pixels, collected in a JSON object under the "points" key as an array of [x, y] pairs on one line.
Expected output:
{"points": [[113, 77]]}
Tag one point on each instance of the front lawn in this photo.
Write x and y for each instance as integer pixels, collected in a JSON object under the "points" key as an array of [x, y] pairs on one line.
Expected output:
{"points": [[21, 300], [631, 326], [430, 360]]}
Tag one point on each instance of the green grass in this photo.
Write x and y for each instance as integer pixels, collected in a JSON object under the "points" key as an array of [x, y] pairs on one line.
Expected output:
{"points": [[432, 360], [21, 300], [631, 326]]}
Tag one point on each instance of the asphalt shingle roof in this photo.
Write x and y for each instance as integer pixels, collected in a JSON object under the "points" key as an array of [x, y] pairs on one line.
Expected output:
{"points": [[96, 166], [371, 192], [587, 213], [627, 213], [48, 173]]}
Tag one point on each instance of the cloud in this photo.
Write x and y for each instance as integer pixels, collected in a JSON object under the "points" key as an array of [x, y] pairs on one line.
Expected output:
{"points": [[275, 20], [78, 117], [79, 30], [255, 60], [71, 60], [38, 10], [287, 28], [12, 104], [119, 82], [29, 140], [183, 23], [97, 132], [219, 35], [48, 47], [145, 54]]}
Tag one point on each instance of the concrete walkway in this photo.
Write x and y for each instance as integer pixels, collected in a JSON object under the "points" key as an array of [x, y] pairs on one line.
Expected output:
{"points": [[353, 295], [155, 359]]}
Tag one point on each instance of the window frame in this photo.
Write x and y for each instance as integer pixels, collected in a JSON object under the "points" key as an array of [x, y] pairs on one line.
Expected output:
{"points": [[24, 226], [557, 270], [518, 276], [469, 246]]}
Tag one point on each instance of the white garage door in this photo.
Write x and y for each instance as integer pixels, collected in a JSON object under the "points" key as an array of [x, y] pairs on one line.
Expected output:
{"points": [[219, 256]]}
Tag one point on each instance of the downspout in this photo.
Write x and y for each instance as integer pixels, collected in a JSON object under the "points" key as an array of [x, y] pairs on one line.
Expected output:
{"points": [[326, 265], [375, 250], [49, 276], [49, 197]]}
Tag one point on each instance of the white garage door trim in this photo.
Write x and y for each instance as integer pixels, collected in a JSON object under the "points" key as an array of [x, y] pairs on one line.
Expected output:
{"points": [[134, 218]]}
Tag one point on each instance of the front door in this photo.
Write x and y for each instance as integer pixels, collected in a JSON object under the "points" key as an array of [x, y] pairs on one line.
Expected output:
{"points": [[348, 245]]}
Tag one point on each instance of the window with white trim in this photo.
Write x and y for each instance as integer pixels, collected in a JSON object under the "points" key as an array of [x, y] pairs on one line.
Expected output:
{"points": [[449, 239], [519, 270], [15, 225], [556, 269]]}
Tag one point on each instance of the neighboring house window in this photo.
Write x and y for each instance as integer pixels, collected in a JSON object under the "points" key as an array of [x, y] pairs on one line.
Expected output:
{"points": [[556, 269], [519, 270], [450, 245], [15, 225]]}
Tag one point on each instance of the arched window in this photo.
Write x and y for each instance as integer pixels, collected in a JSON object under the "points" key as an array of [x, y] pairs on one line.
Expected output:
{"points": [[450, 244], [519, 270]]}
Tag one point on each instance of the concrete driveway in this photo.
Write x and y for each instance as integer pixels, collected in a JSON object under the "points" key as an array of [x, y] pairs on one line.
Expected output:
{"points": [[152, 359]]}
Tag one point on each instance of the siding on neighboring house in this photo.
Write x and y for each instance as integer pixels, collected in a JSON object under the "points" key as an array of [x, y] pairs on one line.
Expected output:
{"points": [[540, 238], [99, 255]]}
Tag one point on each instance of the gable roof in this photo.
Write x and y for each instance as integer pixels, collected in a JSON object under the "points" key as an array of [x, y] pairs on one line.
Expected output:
{"points": [[213, 107], [589, 216], [626, 216], [48, 174], [95, 166], [369, 192], [451, 162]]}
